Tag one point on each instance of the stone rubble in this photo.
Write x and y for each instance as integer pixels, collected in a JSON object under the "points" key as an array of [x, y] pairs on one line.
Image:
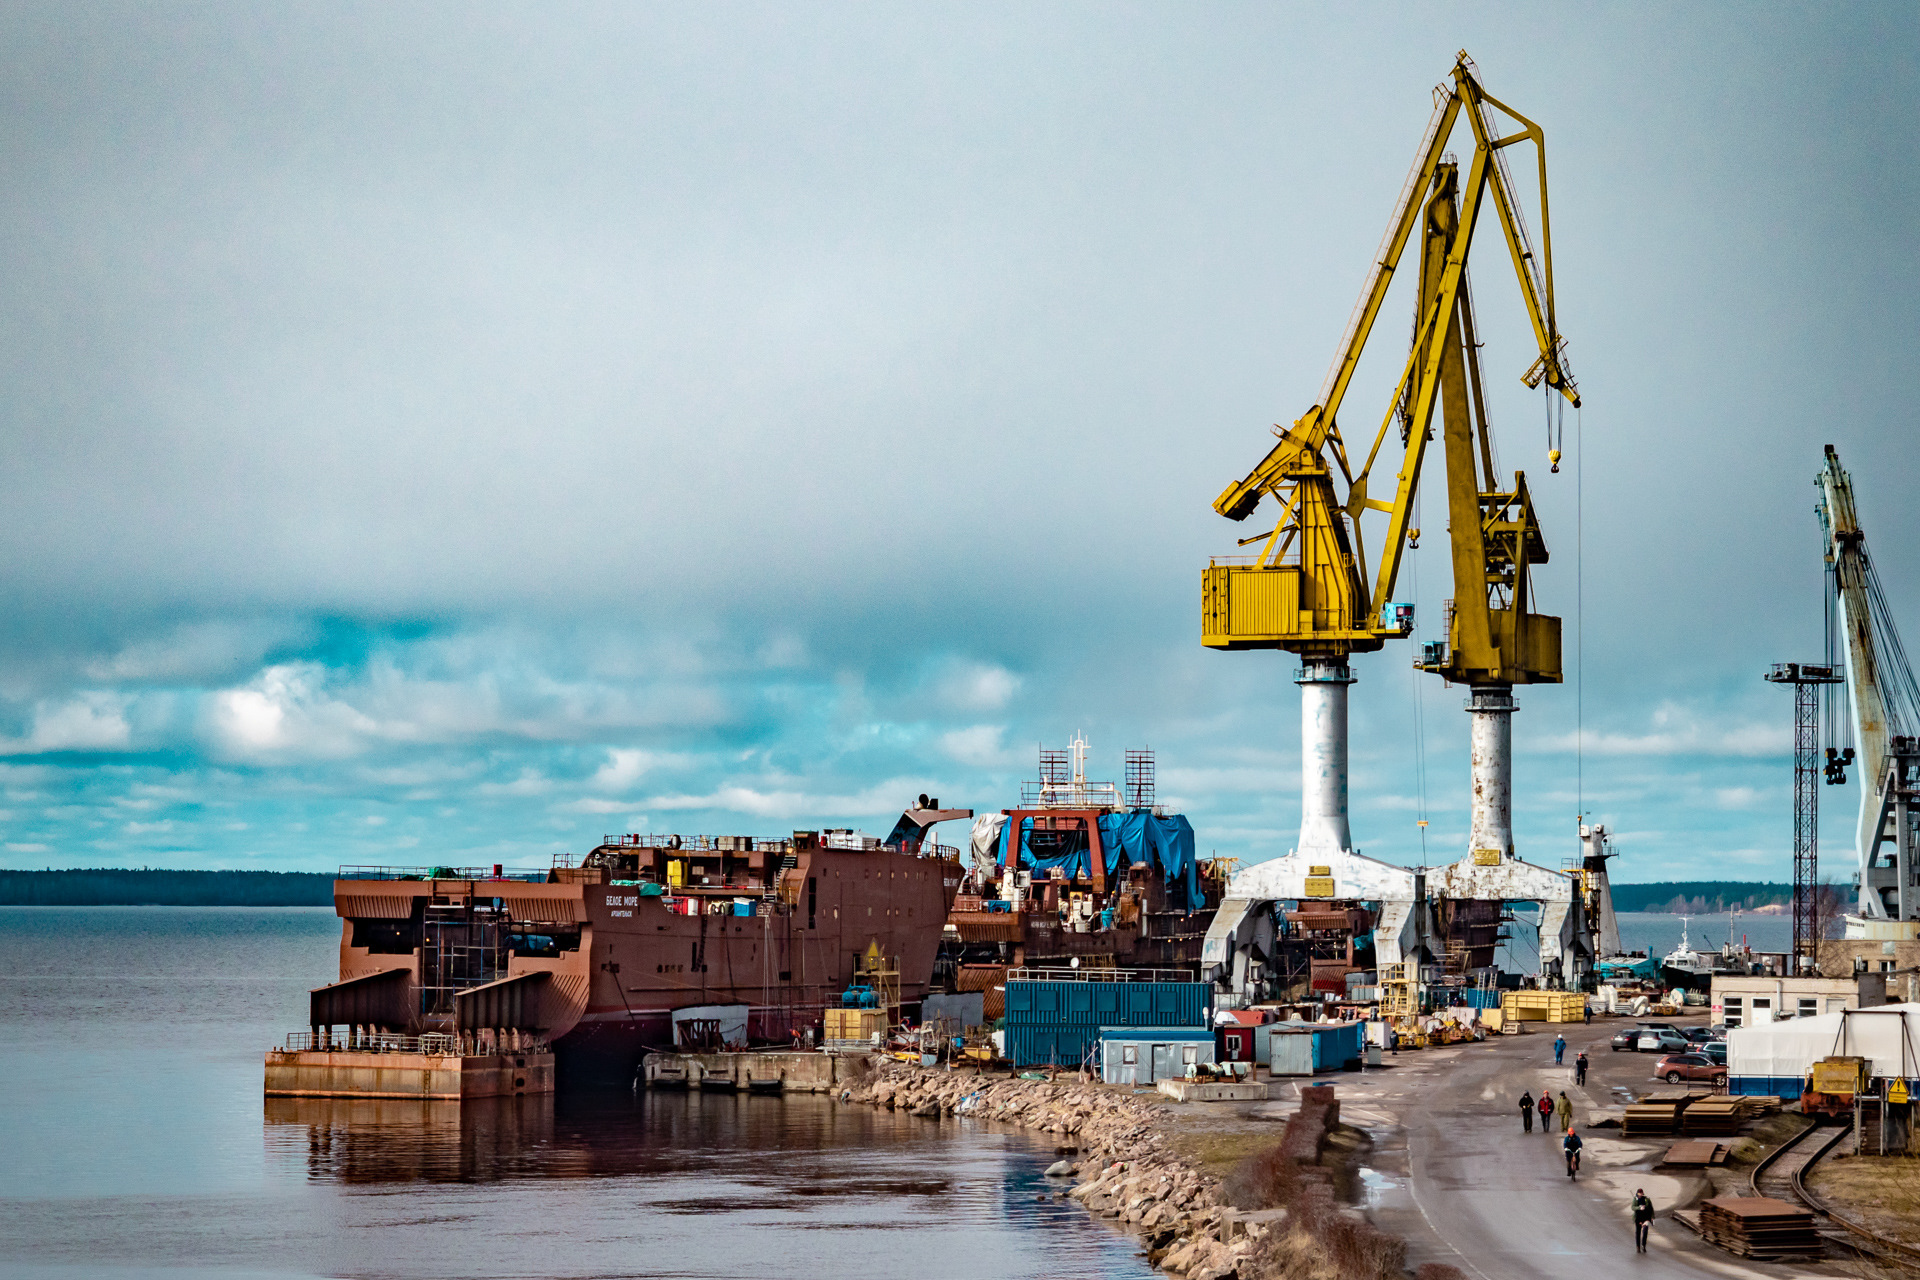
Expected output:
{"points": [[1125, 1168]]}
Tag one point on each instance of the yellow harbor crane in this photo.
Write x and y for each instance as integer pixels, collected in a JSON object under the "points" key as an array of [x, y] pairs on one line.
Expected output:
{"points": [[1308, 590]]}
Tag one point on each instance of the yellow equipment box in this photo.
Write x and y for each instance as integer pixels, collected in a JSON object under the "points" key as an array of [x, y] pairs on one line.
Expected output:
{"points": [[1543, 1006], [854, 1024], [1840, 1076]]}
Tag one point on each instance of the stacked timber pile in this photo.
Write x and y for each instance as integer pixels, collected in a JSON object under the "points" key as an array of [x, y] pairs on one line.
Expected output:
{"points": [[1656, 1115], [1695, 1153], [1721, 1116], [1759, 1227]]}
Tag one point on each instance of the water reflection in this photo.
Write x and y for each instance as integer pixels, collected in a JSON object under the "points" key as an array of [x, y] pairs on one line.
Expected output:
{"points": [[395, 1140], [745, 1138]]}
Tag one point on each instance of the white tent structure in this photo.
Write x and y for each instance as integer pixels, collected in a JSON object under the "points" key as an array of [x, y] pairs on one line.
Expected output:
{"points": [[1776, 1059]]}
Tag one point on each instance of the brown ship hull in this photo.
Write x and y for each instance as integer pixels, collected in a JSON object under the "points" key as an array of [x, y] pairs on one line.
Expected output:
{"points": [[598, 966]]}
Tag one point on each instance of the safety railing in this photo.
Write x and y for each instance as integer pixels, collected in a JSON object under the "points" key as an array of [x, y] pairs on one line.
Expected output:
{"points": [[438, 1043], [1100, 975], [356, 872], [376, 1042], [683, 844]]}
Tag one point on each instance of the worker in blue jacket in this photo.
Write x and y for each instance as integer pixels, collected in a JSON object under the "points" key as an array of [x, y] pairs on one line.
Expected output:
{"points": [[1559, 1049]]}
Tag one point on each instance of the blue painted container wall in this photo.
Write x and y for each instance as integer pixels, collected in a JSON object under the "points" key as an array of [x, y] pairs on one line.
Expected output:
{"points": [[1051, 1046], [1786, 1088], [1337, 1047], [1060, 1022]]}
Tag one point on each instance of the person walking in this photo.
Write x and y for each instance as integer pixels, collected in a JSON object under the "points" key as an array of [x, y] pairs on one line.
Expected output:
{"points": [[1526, 1110], [1565, 1108], [1559, 1049], [1580, 1069], [1587, 1014], [1546, 1111], [1642, 1220]]}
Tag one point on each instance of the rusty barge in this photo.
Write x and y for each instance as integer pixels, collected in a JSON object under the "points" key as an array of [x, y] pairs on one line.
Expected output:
{"points": [[610, 954]]}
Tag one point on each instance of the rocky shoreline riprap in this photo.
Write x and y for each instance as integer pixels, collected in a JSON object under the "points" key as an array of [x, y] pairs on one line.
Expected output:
{"points": [[1126, 1168]]}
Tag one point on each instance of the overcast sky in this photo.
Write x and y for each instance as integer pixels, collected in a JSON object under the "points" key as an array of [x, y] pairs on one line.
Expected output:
{"points": [[451, 433]]}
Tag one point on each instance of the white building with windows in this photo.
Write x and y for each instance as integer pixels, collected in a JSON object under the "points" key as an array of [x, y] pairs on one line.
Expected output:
{"points": [[1742, 1001]]}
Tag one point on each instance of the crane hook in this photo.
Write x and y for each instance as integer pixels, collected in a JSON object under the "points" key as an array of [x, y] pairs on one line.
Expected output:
{"points": [[1553, 456]]}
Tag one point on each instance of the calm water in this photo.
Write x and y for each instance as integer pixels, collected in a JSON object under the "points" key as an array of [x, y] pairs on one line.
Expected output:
{"points": [[137, 1143], [1654, 933], [1658, 934]]}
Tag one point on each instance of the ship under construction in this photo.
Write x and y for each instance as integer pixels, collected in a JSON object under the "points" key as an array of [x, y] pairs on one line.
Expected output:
{"points": [[618, 951]]}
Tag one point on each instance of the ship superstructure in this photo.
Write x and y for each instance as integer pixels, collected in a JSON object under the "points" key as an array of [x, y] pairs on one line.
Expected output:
{"points": [[1081, 874]]}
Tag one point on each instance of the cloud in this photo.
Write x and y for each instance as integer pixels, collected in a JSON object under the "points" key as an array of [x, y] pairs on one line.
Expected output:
{"points": [[286, 711], [977, 686], [1678, 730], [95, 720], [884, 799], [207, 649], [980, 745], [588, 804], [626, 766], [530, 782]]}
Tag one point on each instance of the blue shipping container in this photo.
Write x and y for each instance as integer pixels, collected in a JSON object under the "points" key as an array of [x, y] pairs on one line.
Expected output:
{"points": [[1059, 1023], [1337, 1047], [1307, 1048], [1109, 1004]]}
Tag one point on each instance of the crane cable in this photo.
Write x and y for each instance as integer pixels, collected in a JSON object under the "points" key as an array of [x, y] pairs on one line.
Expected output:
{"points": [[1419, 710]]}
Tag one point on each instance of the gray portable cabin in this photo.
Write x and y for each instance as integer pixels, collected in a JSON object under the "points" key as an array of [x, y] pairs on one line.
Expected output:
{"points": [[1142, 1055]]}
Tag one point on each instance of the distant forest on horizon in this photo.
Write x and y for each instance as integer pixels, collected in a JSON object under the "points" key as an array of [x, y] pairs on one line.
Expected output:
{"points": [[146, 887], [149, 887], [1700, 897]]}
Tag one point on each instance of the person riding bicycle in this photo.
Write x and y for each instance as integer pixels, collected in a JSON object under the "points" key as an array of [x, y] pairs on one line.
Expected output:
{"points": [[1572, 1144]]}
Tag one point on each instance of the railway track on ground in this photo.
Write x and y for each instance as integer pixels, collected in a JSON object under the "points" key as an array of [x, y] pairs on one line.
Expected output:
{"points": [[1782, 1175]]}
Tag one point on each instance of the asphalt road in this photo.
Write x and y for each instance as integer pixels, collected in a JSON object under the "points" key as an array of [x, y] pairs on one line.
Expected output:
{"points": [[1463, 1184]]}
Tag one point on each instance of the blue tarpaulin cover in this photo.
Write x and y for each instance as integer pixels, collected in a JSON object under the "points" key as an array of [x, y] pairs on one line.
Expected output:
{"points": [[1138, 836], [1648, 969]]}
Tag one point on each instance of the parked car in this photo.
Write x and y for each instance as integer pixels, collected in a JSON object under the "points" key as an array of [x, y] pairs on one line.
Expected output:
{"points": [[1630, 1038], [1676, 1067], [1716, 1050], [1661, 1040], [1702, 1035]]}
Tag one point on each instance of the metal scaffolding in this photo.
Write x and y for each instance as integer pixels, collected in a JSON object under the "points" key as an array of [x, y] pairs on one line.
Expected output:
{"points": [[1806, 680]]}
